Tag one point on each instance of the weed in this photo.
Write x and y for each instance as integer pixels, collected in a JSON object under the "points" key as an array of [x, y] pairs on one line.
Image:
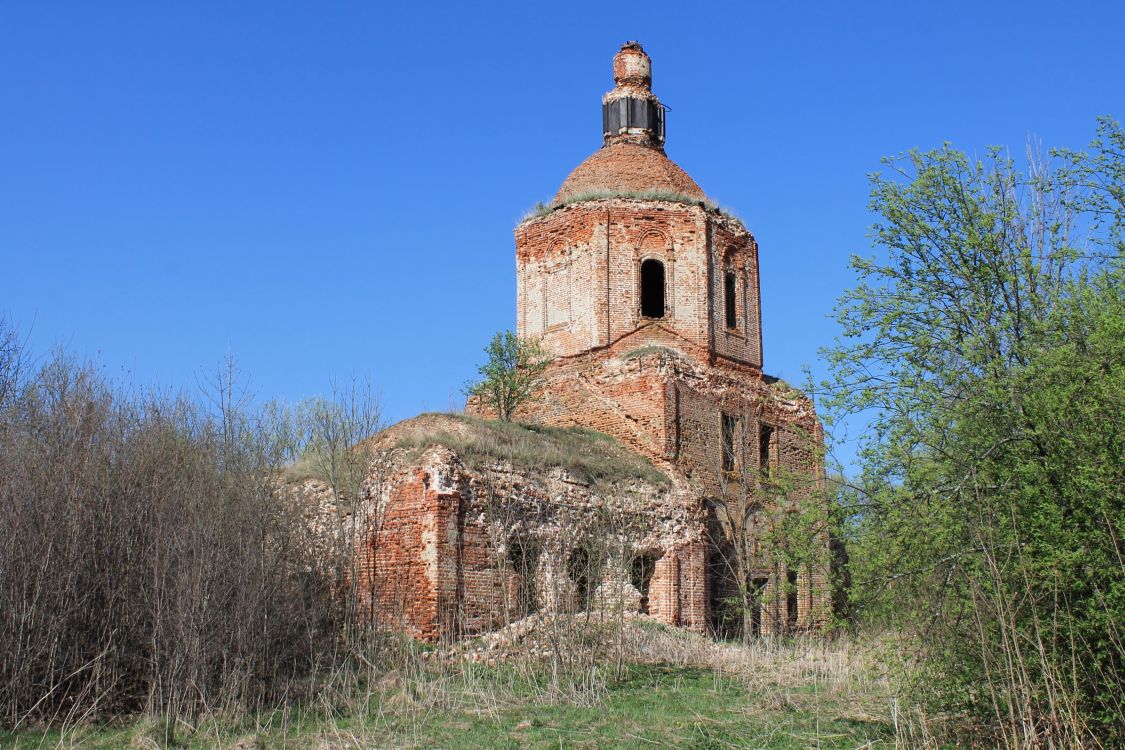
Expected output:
{"points": [[645, 351], [587, 455], [674, 690], [541, 208]]}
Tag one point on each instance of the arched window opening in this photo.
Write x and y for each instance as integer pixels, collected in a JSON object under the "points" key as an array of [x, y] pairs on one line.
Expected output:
{"points": [[765, 452], [523, 556], [731, 300], [640, 575], [581, 570], [757, 592], [791, 608], [652, 288]]}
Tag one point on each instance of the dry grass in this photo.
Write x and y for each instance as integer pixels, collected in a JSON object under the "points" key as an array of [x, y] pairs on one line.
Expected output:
{"points": [[311, 464], [587, 455], [542, 209], [594, 680], [643, 351]]}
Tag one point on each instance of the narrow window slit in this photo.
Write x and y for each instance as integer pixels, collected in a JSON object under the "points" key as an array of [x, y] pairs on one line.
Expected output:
{"points": [[731, 301], [730, 442], [765, 438], [792, 610]]}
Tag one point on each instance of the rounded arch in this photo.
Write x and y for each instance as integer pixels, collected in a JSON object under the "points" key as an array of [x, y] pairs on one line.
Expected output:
{"points": [[557, 249], [523, 557], [654, 241], [736, 257]]}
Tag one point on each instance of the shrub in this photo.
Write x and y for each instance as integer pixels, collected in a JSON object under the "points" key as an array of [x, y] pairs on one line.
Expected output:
{"points": [[149, 561]]}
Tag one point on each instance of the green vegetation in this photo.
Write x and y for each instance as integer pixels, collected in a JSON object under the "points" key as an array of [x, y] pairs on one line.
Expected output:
{"points": [[512, 376], [313, 463], [644, 195], [665, 706], [791, 696], [987, 339], [785, 389], [588, 455], [158, 589], [320, 435]]}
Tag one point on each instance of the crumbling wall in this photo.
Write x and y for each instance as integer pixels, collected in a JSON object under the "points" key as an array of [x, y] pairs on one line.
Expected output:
{"points": [[402, 537], [733, 250], [627, 402], [659, 399], [679, 588], [441, 545]]}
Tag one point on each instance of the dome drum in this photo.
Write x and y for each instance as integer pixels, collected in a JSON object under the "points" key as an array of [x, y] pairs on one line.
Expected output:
{"points": [[630, 115]]}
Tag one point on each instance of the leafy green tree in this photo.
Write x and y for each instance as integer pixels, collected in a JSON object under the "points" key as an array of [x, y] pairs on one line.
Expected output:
{"points": [[512, 376], [985, 343]]}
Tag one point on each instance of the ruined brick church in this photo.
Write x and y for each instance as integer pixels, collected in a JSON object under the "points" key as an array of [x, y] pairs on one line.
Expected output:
{"points": [[647, 297]]}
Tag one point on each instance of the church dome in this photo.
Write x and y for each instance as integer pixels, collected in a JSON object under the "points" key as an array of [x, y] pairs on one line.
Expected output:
{"points": [[627, 168], [632, 161]]}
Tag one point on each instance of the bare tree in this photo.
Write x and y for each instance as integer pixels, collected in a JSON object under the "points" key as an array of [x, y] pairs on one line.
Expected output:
{"points": [[13, 356], [151, 561]]}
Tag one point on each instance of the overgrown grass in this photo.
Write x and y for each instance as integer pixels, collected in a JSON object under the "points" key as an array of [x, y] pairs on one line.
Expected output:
{"points": [[587, 455], [660, 706], [644, 351], [674, 690], [646, 195]]}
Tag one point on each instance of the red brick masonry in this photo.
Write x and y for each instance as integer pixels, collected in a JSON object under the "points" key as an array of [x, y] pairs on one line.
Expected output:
{"points": [[649, 300]]}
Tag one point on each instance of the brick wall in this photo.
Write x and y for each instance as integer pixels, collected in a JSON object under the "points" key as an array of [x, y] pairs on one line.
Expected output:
{"points": [[441, 551], [679, 588], [456, 551], [399, 558], [439, 546], [652, 392], [578, 273]]}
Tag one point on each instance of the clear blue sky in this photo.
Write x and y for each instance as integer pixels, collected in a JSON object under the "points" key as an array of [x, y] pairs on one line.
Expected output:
{"points": [[330, 188]]}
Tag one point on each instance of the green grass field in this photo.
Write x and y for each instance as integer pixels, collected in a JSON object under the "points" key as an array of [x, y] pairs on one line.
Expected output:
{"points": [[672, 691], [680, 707]]}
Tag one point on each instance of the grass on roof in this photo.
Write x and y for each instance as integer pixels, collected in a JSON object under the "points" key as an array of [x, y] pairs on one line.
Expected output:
{"points": [[542, 209], [645, 195], [644, 351], [587, 455]]}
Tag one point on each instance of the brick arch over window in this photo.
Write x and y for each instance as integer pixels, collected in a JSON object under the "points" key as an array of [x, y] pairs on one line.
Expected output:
{"points": [[654, 242], [735, 254]]}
